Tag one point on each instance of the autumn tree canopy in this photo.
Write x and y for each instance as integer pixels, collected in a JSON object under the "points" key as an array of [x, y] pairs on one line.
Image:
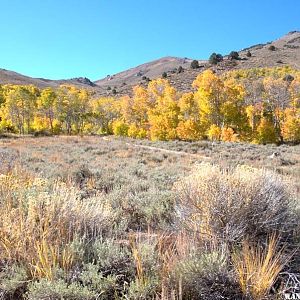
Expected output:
{"points": [[254, 105]]}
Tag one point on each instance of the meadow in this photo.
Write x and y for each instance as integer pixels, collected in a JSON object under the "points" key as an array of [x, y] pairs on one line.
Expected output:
{"points": [[104, 217]]}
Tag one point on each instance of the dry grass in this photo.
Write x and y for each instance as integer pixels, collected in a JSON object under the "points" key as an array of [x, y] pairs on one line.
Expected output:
{"points": [[39, 222], [105, 209], [258, 268]]}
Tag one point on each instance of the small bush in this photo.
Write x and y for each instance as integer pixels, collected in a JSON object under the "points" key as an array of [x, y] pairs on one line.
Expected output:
{"points": [[248, 54], [112, 258], [180, 70], [120, 128], [59, 289], [272, 48], [231, 204], [206, 275], [194, 64], [104, 286], [13, 281], [164, 75], [233, 55], [215, 58]]}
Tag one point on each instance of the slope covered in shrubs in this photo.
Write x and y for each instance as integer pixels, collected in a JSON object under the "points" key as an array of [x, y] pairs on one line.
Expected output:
{"points": [[89, 237]]}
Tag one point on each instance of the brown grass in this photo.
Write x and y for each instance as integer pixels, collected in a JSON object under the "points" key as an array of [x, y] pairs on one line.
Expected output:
{"points": [[258, 268], [40, 221]]}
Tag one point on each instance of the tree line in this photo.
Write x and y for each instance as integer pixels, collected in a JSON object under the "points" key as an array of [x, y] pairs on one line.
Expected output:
{"points": [[255, 105]]}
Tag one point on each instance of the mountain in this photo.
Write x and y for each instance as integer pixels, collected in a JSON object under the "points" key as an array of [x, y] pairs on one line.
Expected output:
{"points": [[10, 77], [284, 51], [153, 69]]}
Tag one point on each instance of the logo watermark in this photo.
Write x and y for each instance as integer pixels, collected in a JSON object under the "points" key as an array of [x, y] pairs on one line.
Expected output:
{"points": [[291, 295]]}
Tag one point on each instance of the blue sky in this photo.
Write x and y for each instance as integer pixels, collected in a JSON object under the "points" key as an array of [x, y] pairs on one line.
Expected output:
{"points": [[69, 38]]}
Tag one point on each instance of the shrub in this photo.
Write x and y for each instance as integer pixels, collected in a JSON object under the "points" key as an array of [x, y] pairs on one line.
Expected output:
{"points": [[233, 55], [215, 58], [180, 70], [140, 205], [104, 286], [248, 54], [206, 275], [112, 258], [146, 280], [231, 204], [194, 64], [272, 48], [164, 75], [13, 281], [59, 289], [137, 132], [228, 135]]}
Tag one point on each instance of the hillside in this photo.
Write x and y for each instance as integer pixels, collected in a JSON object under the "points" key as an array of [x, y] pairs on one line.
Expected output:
{"points": [[10, 77], [287, 52]]}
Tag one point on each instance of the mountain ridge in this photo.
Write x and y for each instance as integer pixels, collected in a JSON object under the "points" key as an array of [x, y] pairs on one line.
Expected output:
{"points": [[286, 51]]}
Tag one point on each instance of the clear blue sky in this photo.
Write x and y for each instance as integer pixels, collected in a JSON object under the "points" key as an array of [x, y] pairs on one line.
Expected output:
{"points": [[69, 38]]}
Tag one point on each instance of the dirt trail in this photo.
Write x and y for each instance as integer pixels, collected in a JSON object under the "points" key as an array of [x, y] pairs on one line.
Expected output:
{"points": [[169, 151], [198, 156]]}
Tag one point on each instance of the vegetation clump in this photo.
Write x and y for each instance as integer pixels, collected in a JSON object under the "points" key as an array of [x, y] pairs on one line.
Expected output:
{"points": [[195, 64], [215, 58]]}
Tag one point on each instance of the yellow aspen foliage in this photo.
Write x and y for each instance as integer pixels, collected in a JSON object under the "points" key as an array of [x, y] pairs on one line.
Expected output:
{"points": [[19, 106], [209, 96], [266, 132], [260, 104], [294, 90], [40, 123], [45, 110], [104, 111], [163, 117], [291, 126], [141, 105], [228, 135], [253, 113], [214, 133], [189, 130], [188, 107], [120, 128], [189, 127], [136, 132], [233, 108], [57, 126]]}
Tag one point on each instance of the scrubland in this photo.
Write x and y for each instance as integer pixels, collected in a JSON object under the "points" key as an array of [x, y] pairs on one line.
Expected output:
{"points": [[117, 218]]}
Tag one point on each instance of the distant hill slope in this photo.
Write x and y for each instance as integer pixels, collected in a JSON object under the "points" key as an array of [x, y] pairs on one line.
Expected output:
{"points": [[153, 69], [287, 52], [10, 77]]}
